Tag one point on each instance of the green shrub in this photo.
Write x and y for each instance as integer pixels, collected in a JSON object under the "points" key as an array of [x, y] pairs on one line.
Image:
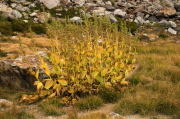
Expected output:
{"points": [[38, 28], [125, 107], [163, 36], [132, 26], [89, 103], [5, 39], [20, 26], [110, 96], [52, 107], [134, 80], [2, 53], [5, 28], [167, 108]]}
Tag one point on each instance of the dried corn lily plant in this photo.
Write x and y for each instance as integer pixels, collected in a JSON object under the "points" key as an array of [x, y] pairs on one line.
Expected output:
{"points": [[85, 58]]}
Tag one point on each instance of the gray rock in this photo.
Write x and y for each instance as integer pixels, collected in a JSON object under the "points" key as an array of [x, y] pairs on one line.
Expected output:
{"points": [[153, 18], [139, 20], [140, 14], [13, 5], [16, 14], [164, 23], [119, 12], [80, 2], [32, 5], [76, 19], [172, 31], [101, 11], [33, 14], [112, 18], [177, 6], [147, 22], [90, 4], [5, 101], [108, 3], [19, 7], [15, 72], [50, 3], [173, 24]]}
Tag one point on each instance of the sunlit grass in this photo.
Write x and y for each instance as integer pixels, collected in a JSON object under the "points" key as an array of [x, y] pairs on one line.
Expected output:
{"points": [[15, 112], [161, 94], [52, 107]]}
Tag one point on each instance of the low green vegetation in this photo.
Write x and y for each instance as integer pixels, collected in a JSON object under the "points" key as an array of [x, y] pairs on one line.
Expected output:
{"points": [[52, 107], [89, 103], [163, 35], [110, 96], [15, 113], [2, 53]]}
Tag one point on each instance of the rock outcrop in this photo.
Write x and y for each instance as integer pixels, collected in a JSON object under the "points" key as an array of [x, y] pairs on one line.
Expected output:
{"points": [[14, 73]]}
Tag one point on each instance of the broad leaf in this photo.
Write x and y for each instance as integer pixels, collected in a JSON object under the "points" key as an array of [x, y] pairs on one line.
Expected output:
{"points": [[49, 84], [63, 82]]}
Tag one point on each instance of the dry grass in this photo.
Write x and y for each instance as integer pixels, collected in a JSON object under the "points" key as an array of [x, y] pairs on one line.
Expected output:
{"points": [[157, 81]]}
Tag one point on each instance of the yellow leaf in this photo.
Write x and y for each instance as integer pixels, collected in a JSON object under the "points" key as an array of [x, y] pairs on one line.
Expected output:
{"points": [[39, 86], [71, 90], [110, 49], [124, 83], [63, 82], [47, 71], [122, 65], [118, 77], [35, 98], [116, 65], [72, 78], [83, 74], [49, 84], [108, 60], [126, 73], [99, 55], [57, 70], [24, 97], [104, 72], [100, 79], [56, 86], [52, 95], [89, 79], [57, 91], [36, 82], [94, 74], [45, 67], [37, 74], [62, 61], [133, 61]]}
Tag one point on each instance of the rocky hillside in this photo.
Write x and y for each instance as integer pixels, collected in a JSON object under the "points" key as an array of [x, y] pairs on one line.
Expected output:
{"points": [[165, 12]]}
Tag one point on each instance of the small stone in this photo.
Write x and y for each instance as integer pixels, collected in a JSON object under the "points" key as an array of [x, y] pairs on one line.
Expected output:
{"points": [[76, 19], [119, 12], [16, 14], [33, 14], [172, 31], [139, 20], [173, 24], [112, 18], [51, 3], [164, 23]]}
